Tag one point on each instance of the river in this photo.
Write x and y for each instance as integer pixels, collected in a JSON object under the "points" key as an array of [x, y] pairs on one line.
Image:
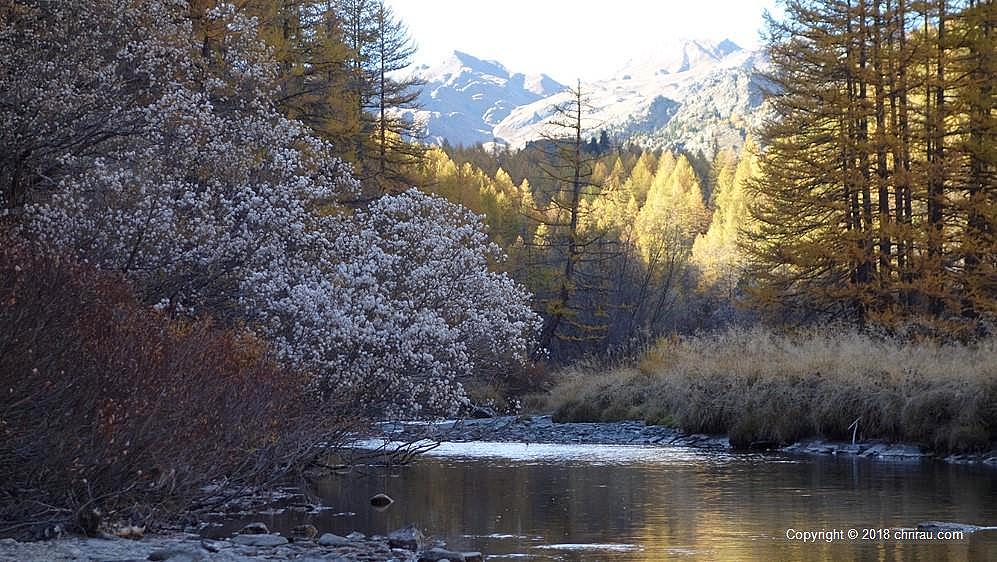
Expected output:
{"points": [[600, 502]]}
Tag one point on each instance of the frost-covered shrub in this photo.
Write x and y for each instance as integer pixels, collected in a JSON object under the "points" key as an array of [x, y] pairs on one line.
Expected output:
{"points": [[143, 156], [196, 185], [407, 309]]}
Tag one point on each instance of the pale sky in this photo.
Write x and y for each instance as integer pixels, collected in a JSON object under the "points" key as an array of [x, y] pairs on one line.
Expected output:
{"points": [[571, 39]]}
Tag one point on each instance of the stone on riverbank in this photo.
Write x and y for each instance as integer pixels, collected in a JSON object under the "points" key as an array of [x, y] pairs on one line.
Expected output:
{"points": [[192, 548], [409, 538], [329, 539]]}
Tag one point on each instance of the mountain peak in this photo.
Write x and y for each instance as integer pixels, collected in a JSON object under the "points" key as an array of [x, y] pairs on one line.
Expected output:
{"points": [[727, 47], [676, 55], [480, 65]]}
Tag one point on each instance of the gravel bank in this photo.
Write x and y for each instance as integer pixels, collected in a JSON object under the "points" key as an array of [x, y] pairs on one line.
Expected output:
{"points": [[542, 429], [405, 545]]}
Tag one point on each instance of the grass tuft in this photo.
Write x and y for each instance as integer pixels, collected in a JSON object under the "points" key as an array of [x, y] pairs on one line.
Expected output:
{"points": [[759, 385]]}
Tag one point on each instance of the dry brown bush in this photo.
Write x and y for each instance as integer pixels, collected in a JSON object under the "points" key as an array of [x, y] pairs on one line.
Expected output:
{"points": [[107, 404]]}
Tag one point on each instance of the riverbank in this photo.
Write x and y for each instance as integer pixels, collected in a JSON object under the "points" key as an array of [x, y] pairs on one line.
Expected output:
{"points": [[254, 543], [544, 429]]}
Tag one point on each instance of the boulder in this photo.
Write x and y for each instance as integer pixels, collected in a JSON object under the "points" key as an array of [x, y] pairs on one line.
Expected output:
{"points": [[409, 538], [356, 536], [329, 539], [259, 540]]}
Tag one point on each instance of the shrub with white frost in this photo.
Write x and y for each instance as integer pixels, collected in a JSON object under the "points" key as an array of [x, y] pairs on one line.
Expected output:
{"points": [[186, 184], [407, 309], [179, 173]]}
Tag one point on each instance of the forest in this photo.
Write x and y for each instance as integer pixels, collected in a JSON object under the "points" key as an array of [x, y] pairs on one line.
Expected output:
{"points": [[217, 224]]}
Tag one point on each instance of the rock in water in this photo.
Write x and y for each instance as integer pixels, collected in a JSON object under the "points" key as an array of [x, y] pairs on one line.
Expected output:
{"points": [[381, 500], [763, 446], [257, 528], [947, 526], [213, 546], [409, 538]]}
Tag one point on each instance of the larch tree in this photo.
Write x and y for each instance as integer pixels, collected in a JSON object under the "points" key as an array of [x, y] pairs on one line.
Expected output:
{"points": [[717, 253], [876, 176], [380, 49], [667, 225], [562, 245], [975, 60]]}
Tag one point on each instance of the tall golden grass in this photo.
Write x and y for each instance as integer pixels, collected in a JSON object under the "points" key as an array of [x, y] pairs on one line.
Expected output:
{"points": [[759, 385]]}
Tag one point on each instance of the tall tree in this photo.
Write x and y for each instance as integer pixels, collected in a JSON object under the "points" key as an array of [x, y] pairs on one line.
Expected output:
{"points": [[566, 247], [876, 182], [380, 49], [976, 63]]}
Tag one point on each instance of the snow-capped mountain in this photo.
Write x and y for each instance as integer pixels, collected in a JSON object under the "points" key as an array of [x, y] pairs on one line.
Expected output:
{"points": [[465, 97], [690, 94]]}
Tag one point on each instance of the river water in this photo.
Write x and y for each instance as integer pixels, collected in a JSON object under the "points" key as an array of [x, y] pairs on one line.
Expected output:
{"points": [[598, 502]]}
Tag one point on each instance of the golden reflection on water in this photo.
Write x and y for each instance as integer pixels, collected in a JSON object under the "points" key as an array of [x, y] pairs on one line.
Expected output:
{"points": [[687, 507]]}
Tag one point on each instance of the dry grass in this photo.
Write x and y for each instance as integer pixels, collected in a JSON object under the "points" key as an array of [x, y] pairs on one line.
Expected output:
{"points": [[756, 385]]}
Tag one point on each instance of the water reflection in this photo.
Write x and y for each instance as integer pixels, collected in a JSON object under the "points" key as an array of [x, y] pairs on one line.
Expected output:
{"points": [[545, 502]]}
